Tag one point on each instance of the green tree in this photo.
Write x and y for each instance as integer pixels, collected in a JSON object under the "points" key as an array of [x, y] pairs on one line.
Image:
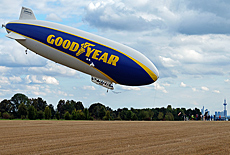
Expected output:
{"points": [[123, 114], [97, 110], [143, 115], [67, 116], [39, 104], [22, 110], [6, 106], [169, 116], [86, 114], [169, 108], [80, 115], [60, 108], [57, 115], [78, 105], [32, 112], [107, 116], [47, 113], [74, 114], [40, 114], [51, 107], [135, 117], [129, 115], [6, 115], [160, 116], [69, 106], [16, 100]]}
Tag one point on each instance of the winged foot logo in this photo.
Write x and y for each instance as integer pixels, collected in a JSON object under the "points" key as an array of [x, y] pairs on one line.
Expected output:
{"points": [[86, 48]]}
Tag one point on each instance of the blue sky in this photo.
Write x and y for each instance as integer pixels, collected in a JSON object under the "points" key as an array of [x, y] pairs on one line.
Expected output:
{"points": [[188, 41]]}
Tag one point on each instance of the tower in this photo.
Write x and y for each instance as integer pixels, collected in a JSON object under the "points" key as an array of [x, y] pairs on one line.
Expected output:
{"points": [[225, 109]]}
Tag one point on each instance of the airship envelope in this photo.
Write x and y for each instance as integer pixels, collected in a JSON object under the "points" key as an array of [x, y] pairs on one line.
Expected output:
{"points": [[106, 61]]}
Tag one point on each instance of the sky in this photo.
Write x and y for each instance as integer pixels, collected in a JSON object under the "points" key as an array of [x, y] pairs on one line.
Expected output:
{"points": [[188, 41]]}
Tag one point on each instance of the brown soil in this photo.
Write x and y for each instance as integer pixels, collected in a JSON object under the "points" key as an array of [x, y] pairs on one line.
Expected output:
{"points": [[114, 137]]}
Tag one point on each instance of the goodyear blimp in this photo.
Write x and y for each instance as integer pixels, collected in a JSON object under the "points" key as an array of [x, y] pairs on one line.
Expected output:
{"points": [[106, 61]]}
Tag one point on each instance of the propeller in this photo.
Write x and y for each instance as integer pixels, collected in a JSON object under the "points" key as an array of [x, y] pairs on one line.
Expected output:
{"points": [[3, 25]]}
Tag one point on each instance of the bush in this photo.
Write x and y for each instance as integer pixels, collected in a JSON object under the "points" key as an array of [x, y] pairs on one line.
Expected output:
{"points": [[67, 116], [6, 115]]}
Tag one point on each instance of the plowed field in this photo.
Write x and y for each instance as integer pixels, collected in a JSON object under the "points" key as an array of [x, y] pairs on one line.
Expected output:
{"points": [[113, 137]]}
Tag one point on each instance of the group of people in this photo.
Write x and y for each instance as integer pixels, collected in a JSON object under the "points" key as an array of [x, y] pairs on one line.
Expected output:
{"points": [[207, 117]]}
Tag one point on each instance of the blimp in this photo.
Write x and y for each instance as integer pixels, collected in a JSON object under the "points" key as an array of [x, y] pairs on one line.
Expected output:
{"points": [[106, 61]]}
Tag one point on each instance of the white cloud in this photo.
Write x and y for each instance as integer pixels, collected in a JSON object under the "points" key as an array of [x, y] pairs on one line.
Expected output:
{"points": [[15, 79], [182, 84], [168, 62], [52, 69], [4, 69], [4, 80], [89, 88], [50, 80], [53, 17], [205, 88], [216, 91], [27, 79], [166, 84], [39, 93], [194, 89], [34, 79], [13, 54], [61, 93], [32, 88], [157, 86], [41, 79]]}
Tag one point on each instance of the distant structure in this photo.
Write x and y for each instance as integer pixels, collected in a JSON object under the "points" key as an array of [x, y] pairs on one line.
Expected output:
{"points": [[223, 114], [225, 109], [202, 111]]}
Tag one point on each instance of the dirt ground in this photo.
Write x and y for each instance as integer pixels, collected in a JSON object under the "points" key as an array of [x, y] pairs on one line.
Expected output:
{"points": [[113, 137]]}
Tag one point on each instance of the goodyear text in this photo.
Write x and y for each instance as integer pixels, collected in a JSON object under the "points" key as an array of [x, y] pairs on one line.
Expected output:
{"points": [[86, 48]]}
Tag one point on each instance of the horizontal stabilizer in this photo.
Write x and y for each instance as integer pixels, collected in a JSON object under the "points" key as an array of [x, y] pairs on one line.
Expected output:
{"points": [[27, 14], [15, 36]]}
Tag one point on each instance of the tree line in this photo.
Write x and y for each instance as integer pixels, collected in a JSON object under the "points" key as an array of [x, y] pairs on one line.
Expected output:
{"points": [[22, 107]]}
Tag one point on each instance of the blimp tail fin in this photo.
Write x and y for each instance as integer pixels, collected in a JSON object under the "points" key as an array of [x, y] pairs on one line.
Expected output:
{"points": [[27, 14]]}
